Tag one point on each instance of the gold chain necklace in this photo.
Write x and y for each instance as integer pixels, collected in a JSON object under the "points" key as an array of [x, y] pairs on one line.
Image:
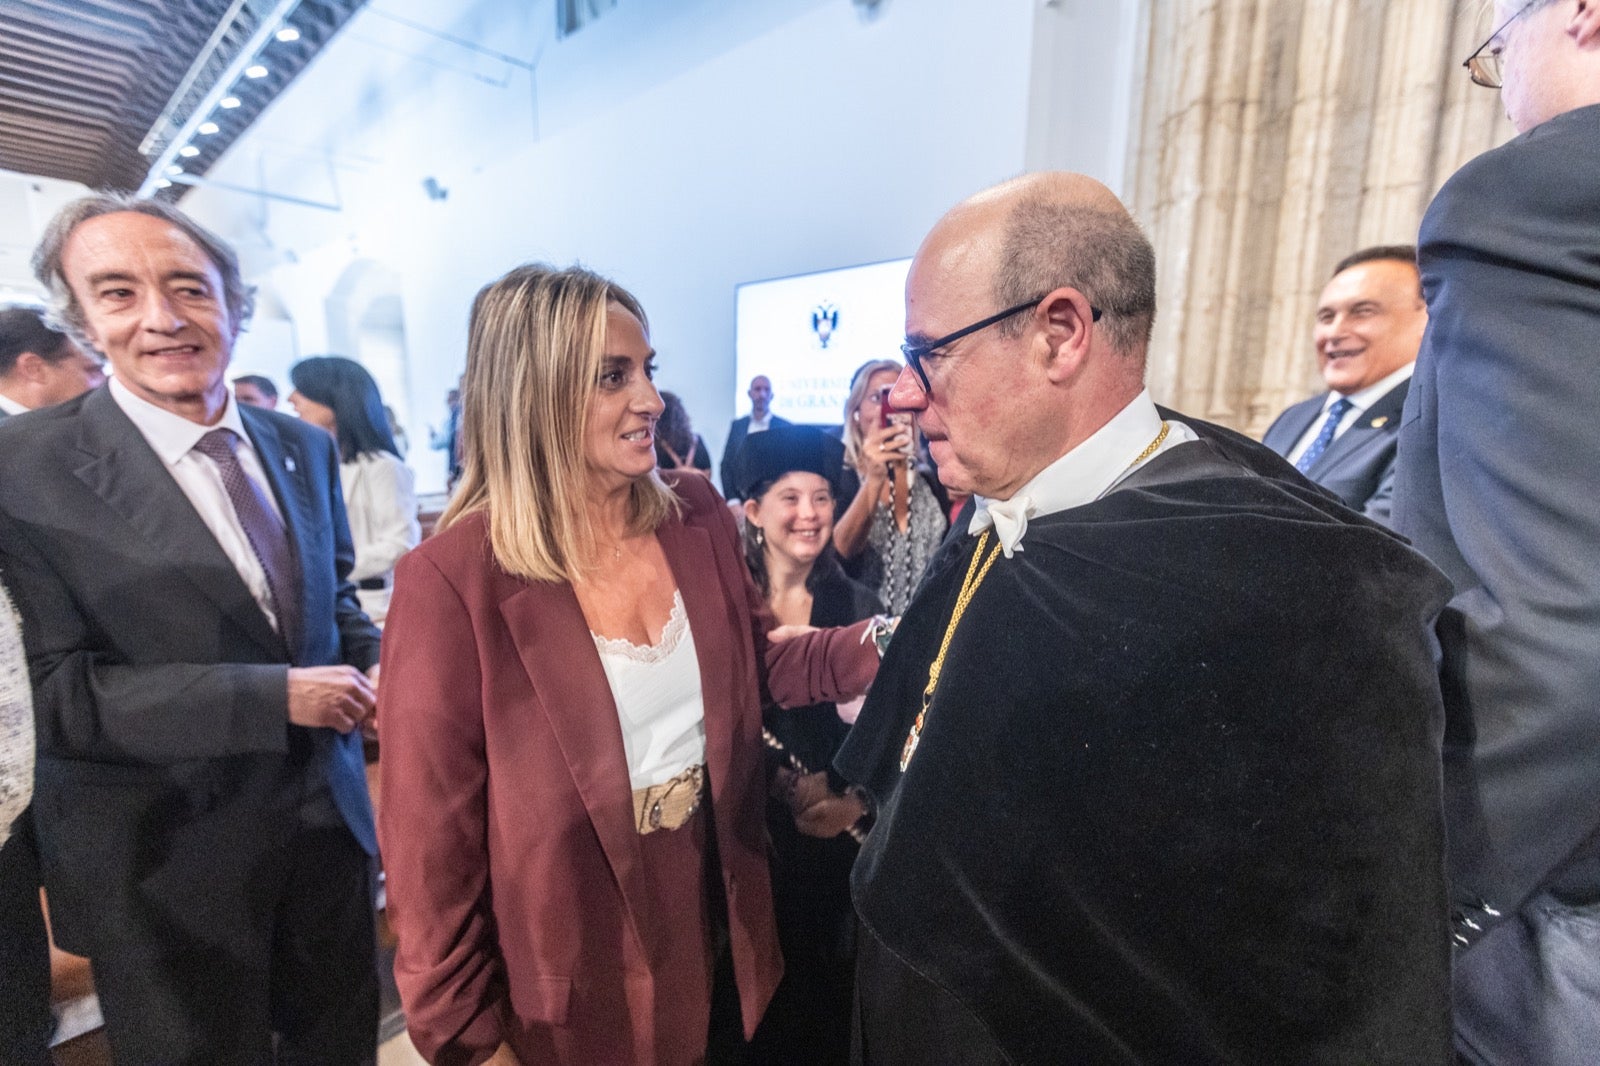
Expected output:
{"points": [[976, 572]]}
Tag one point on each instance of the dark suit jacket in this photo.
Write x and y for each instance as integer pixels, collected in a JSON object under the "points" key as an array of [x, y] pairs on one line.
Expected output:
{"points": [[1360, 463], [728, 469], [160, 688], [1497, 483], [517, 882]]}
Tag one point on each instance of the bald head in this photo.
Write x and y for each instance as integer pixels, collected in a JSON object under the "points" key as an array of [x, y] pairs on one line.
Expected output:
{"points": [[1040, 232]]}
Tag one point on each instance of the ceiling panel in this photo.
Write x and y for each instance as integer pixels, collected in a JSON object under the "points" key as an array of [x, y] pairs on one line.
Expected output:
{"points": [[90, 89]]}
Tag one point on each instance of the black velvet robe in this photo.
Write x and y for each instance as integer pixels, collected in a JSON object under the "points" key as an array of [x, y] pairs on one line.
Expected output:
{"points": [[1177, 798]]}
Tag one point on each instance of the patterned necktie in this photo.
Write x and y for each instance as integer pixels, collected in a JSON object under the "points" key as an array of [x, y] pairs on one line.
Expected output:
{"points": [[262, 527], [1325, 437]]}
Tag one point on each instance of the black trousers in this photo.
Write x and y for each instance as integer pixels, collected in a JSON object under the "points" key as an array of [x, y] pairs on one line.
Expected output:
{"points": [[25, 1021], [294, 983]]}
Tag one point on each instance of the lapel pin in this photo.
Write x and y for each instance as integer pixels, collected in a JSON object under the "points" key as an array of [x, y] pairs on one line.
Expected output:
{"points": [[288, 463], [1377, 423]]}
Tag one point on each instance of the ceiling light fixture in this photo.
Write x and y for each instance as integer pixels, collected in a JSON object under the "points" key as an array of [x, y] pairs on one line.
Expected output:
{"points": [[287, 34], [228, 103], [255, 71], [206, 129], [188, 151], [163, 183], [174, 170]]}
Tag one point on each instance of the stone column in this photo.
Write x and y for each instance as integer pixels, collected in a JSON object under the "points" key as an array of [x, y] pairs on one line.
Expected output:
{"points": [[1274, 139]]}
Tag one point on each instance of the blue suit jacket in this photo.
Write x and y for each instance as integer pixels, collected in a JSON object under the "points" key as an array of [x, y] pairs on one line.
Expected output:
{"points": [[160, 688], [1359, 466]]}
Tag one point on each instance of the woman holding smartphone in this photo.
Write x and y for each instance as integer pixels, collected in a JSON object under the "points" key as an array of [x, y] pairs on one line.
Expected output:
{"points": [[895, 519]]}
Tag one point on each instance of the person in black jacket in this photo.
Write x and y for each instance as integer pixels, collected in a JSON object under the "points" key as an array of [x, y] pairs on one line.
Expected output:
{"points": [[814, 817]]}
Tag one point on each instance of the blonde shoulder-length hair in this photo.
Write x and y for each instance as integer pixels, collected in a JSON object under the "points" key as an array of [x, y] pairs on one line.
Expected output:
{"points": [[853, 436], [535, 345]]}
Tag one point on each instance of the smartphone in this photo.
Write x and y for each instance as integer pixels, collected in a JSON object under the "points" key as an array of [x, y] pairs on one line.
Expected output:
{"points": [[886, 411]]}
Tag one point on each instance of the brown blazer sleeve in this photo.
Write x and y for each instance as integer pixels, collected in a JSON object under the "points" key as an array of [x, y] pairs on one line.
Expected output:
{"points": [[829, 665], [435, 849]]}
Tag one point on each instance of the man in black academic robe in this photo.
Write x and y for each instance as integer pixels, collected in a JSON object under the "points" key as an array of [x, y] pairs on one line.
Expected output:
{"points": [[1156, 751]]}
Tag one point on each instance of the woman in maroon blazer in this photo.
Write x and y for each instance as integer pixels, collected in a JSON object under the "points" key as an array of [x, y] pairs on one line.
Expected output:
{"points": [[573, 674]]}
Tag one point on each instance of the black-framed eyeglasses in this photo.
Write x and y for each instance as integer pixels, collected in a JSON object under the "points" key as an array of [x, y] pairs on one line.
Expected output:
{"points": [[916, 353], [1483, 65]]}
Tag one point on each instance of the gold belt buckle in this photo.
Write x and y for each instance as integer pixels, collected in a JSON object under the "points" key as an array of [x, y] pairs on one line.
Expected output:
{"points": [[671, 803]]}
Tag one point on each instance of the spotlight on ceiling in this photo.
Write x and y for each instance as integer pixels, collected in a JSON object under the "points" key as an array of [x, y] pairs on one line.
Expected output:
{"points": [[287, 34], [188, 151], [174, 170], [163, 183], [255, 70], [227, 103], [206, 129]]}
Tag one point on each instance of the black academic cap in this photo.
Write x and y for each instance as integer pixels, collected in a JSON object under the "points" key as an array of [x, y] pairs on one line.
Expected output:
{"points": [[765, 457]]}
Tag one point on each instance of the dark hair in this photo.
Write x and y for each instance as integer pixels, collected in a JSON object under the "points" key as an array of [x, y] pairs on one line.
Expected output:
{"points": [[65, 310], [674, 428], [263, 384], [344, 385], [22, 329], [755, 554], [1399, 253]]}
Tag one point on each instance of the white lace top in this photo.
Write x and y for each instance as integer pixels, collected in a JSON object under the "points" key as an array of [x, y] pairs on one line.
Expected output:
{"points": [[657, 692], [16, 720]]}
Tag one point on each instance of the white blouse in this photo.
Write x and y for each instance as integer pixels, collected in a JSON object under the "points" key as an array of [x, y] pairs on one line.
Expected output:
{"points": [[657, 692], [381, 505]]}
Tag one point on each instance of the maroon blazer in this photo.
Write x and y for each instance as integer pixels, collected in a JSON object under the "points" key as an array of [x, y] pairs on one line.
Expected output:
{"points": [[515, 878]]}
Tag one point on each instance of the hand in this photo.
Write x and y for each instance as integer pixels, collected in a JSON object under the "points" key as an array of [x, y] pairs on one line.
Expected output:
{"points": [[332, 697], [807, 790], [830, 817], [883, 445], [779, 634]]}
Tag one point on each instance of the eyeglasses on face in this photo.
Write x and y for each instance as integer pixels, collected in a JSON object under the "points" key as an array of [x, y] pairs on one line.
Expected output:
{"points": [[916, 353], [1483, 65]]}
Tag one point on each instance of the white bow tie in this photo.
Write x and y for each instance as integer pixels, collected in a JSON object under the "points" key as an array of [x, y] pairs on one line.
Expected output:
{"points": [[1009, 519]]}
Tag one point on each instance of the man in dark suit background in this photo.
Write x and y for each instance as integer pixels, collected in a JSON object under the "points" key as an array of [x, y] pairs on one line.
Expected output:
{"points": [[1498, 483], [197, 658], [40, 366], [759, 420], [1369, 324]]}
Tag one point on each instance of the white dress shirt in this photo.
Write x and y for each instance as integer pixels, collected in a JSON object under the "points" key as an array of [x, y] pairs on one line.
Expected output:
{"points": [[173, 437], [1084, 474], [1359, 402], [10, 406], [759, 425]]}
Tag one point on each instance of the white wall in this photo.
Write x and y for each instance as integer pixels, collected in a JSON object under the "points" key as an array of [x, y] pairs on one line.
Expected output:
{"points": [[681, 146]]}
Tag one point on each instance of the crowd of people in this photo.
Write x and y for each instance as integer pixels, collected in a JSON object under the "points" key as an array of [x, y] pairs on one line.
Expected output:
{"points": [[1019, 720]]}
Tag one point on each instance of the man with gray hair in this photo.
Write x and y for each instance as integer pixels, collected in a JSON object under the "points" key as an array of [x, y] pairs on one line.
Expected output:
{"points": [[198, 661], [1497, 483], [1154, 749]]}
